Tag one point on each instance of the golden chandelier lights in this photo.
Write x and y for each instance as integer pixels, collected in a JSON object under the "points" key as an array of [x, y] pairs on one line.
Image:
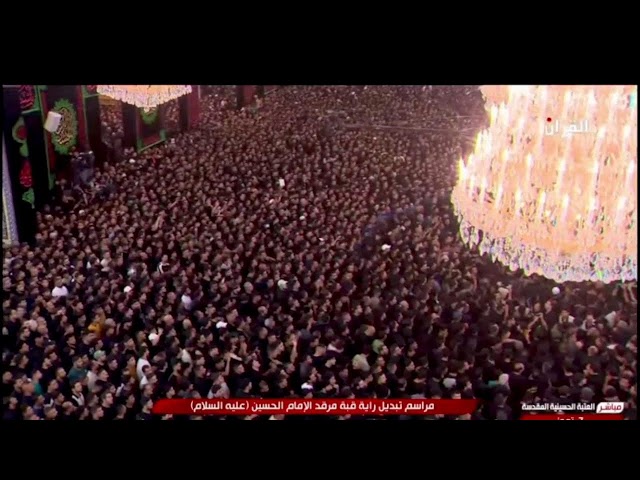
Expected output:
{"points": [[144, 96], [551, 186]]}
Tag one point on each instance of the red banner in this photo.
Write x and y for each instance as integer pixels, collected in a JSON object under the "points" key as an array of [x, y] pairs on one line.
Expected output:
{"points": [[337, 407], [565, 416]]}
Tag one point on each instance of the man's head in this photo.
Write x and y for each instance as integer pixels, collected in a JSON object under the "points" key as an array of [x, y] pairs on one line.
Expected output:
{"points": [[50, 413], [97, 413], [147, 404]]}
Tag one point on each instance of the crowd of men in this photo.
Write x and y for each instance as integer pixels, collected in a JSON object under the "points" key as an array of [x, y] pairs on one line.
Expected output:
{"points": [[111, 122], [307, 248]]}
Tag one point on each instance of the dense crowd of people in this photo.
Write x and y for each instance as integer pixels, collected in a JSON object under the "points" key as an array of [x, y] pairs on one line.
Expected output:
{"points": [[219, 97], [307, 248], [111, 122]]}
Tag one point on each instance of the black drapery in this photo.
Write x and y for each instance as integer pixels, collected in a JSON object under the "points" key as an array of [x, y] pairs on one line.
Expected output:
{"points": [[43, 176], [92, 110], [129, 114], [21, 167]]}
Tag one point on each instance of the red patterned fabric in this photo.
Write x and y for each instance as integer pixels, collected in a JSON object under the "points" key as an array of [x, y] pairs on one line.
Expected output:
{"points": [[26, 180], [27, 96]]}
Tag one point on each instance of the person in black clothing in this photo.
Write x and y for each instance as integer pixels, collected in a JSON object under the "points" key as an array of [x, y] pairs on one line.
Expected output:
{"points": [[121, 412], [147, 405], [12, 411], [108, 407]]}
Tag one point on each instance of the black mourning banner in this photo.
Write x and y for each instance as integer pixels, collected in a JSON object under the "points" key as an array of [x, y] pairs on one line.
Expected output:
{"points": [[142, 128], [25, 174], [71, 135], [150, 127]]}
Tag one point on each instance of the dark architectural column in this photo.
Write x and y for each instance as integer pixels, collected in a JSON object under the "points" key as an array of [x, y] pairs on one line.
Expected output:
{"points": [[94, 126], [245, 95], [239, 96], [129, 114], [189, 106]]}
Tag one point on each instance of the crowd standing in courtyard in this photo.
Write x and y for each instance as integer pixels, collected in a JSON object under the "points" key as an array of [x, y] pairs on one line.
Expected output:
{"points": [[305, 249]]}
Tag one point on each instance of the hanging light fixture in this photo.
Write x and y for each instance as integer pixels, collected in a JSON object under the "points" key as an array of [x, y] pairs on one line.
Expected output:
{"points": [[551, 187], [144, 96]]}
